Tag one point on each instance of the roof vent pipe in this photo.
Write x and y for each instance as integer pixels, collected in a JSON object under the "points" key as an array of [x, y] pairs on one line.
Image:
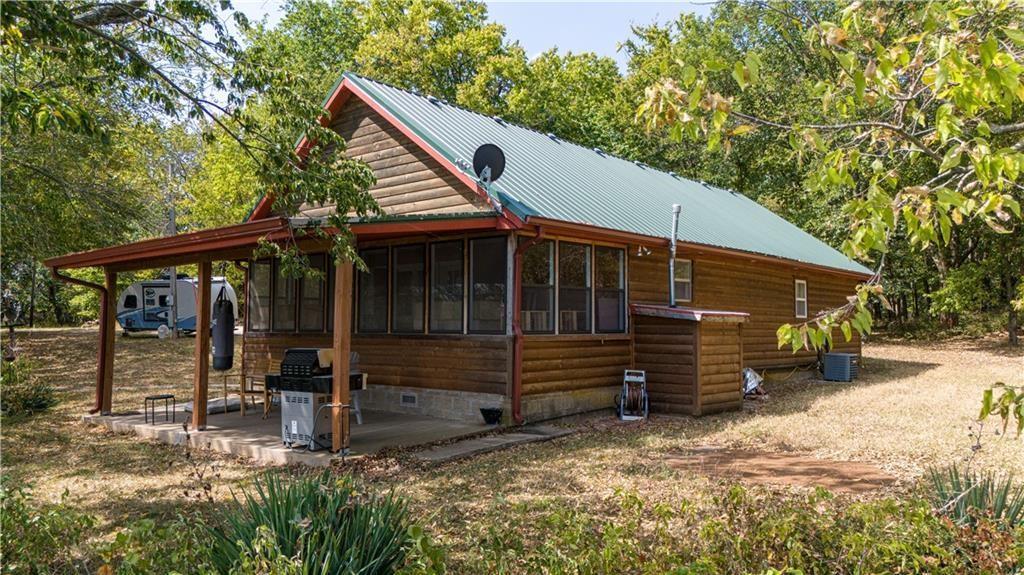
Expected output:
{"points": [[676, 208]]}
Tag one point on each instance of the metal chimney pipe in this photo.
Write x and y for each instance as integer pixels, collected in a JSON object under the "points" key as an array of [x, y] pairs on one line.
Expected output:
{"points": [[672, 256]]}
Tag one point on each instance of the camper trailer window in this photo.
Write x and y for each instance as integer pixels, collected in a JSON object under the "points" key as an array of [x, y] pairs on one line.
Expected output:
{"points": [[487, 271], [573, 288], [446, 287], [259, 296], [538, 286], [409, 286], [311, 302], [373, 291], [131, 301], [284, 301], [609, 289]]}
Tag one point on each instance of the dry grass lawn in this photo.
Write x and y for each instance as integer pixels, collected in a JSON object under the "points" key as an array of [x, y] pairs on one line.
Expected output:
{"points": [[912, 407]]}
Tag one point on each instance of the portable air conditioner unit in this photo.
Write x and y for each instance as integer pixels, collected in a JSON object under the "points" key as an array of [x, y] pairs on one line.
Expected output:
{"points": [[840, 366]]}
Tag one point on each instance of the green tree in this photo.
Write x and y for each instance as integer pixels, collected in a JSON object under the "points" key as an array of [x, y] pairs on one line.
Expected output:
{"points": [[173, 60], [920, 123], [434, 46]]}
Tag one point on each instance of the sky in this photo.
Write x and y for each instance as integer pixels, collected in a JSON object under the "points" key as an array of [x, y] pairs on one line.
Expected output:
{"points": [[596, 27]]}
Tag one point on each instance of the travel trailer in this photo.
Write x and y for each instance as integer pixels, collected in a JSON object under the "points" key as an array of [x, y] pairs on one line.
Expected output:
{"points": [[146, 305]]}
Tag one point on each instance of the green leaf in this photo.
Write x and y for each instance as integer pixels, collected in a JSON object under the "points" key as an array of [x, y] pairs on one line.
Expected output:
{"points": [[951, 159], [859, 84], [944, 227], [738, 74], [742, 129], [847, 332], [1017, 36], [753, 62], [689, 75], [986, 404]]}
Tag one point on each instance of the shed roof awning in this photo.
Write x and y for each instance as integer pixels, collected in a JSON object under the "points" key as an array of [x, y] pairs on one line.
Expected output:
{"points": [[182, 248], [688, 313], [238, 241]]}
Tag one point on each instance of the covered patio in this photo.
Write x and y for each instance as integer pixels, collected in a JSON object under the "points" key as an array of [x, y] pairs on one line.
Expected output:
{"points": [[260, 439], [237, 244]]}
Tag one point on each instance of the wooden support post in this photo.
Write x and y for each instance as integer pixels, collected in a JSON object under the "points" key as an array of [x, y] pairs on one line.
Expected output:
{"points": [[108, 327], [201, 385], [342, 347]]}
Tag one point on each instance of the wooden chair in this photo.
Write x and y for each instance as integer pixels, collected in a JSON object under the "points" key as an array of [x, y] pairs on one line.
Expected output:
{"points": [[255, 386]]}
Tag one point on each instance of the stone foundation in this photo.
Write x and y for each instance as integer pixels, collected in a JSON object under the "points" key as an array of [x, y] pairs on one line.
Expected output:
{"points": [[551, 405], [442, 403]]}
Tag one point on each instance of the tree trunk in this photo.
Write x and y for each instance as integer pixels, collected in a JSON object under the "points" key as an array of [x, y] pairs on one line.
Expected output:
{"points": [[32, 296], [1011, 324], [59, 313]]}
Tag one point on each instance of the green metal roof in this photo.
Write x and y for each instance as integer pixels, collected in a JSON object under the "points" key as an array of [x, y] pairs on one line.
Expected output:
{"points": [[548, 177]]}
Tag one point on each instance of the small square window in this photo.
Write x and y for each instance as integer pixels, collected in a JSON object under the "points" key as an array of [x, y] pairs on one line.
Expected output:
{"points": [[684, 280], [800, 295]]}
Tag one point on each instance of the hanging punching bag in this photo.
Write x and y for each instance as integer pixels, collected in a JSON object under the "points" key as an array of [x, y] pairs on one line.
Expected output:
{"points": [[223, 333]]}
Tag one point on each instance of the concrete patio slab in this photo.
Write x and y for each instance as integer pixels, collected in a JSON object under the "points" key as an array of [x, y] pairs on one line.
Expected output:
{"points": [[476, 446], [260, 439]]}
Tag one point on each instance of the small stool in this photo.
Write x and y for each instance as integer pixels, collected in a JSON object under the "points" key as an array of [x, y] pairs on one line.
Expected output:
{"points": [[150, 403]]}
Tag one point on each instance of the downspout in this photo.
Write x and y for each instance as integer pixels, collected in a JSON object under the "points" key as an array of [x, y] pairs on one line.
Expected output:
{"points": [[672, 256], [101, 354], [517, 330]]}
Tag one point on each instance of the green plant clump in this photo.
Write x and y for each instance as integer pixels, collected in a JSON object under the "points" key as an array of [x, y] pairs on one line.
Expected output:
{"points": [[967, 496], [314, 525], [741, 532], [36, 537], [21, 392]]}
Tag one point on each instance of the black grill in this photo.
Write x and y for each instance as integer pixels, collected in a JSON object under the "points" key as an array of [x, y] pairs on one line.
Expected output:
{"points": [[301, 371]]}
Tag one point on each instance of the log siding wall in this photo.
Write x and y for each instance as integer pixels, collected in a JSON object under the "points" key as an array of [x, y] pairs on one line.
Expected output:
{"points": [[765, 290], [665, 349], [720, 358], [472, 363], [553, 363], [409, 181]]}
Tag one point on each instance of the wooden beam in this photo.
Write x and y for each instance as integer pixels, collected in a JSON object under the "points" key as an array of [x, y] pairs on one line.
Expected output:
{"points": [[201, 383], [342, 345], [108, 327]]}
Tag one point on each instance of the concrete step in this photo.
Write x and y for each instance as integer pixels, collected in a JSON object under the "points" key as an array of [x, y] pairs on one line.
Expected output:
{"points": [[477, 446]]}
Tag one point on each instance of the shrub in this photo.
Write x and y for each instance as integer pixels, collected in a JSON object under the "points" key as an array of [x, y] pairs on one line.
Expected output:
{"points": [[967, 496], [39, 538], [146, 546], [315, 525], [739, 532], [21, 393]]}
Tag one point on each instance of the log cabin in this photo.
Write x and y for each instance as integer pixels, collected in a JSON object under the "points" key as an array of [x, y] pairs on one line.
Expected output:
{"points": [[532, 293]]}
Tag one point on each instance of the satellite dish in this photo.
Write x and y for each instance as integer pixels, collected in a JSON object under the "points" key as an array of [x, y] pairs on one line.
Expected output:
{"points": [[488, 163]]}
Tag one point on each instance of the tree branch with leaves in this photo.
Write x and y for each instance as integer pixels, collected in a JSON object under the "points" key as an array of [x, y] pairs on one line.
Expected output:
{"points": [[919, 125]]}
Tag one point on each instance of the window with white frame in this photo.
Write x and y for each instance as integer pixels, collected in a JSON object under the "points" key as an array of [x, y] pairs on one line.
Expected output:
{"points": [[684, 280], [800, 295]]}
